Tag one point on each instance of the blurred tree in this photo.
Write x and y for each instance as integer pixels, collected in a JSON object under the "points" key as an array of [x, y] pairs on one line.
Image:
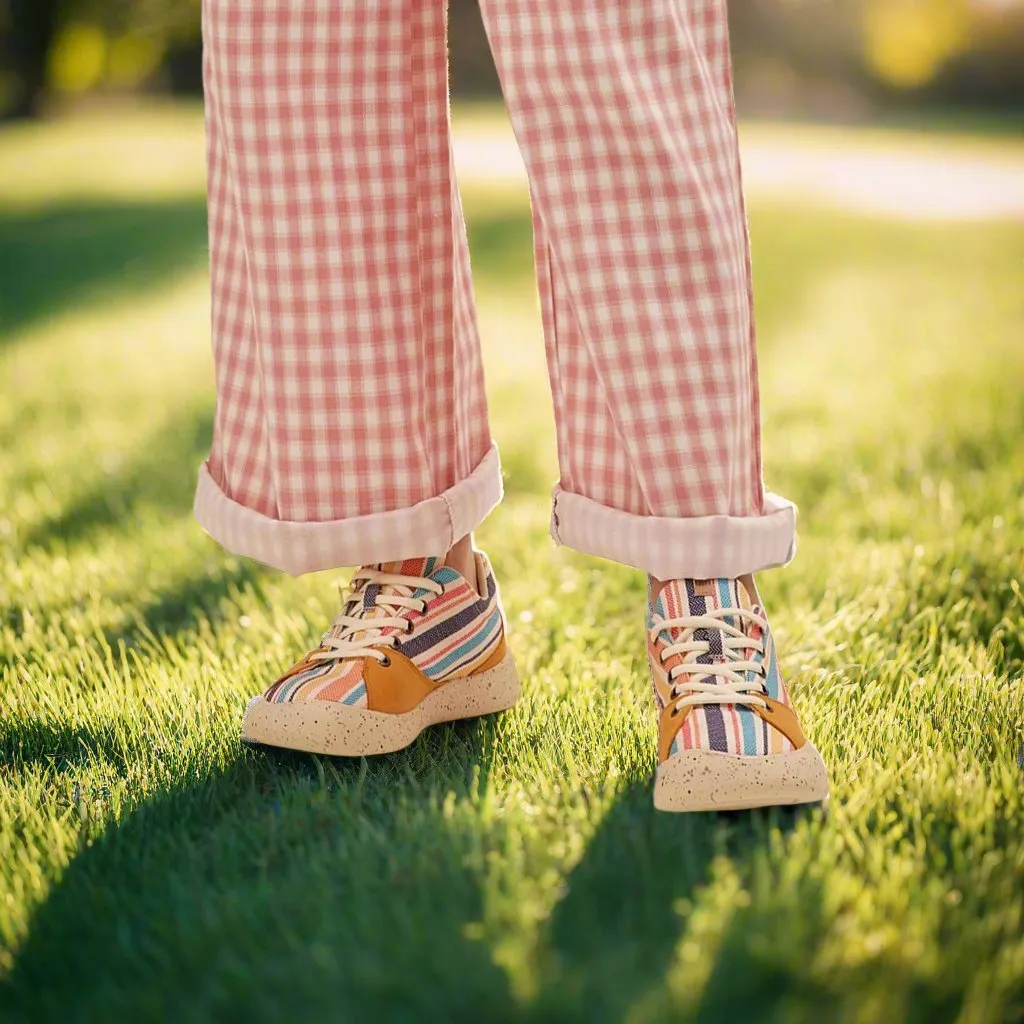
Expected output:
{"points": [[906, 42], [27, 30], [805, 57], [989, 69], [472, 69]]}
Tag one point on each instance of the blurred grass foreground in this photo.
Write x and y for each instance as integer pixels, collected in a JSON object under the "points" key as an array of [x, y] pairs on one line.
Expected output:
{"points": [[513, 869]]}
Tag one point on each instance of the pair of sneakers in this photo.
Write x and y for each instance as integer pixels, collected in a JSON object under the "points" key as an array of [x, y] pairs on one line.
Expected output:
{"points": [[417, 644]]}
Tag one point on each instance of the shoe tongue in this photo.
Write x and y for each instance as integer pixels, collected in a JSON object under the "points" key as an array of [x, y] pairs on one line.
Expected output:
{"points": [[703, 596], [698, 597], [418, 567], [410, 567]]}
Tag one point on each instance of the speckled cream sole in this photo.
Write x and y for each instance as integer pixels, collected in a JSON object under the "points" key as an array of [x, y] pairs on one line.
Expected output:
{"points": [[707, 780], [327, 727]]}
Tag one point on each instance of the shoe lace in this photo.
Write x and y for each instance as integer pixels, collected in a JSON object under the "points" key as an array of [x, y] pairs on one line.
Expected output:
{"points": [[355, 632], [729, 682]]}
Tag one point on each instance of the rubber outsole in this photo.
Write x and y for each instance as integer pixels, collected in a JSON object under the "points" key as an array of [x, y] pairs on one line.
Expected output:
{"points": [[328, 727], [707, 780]]}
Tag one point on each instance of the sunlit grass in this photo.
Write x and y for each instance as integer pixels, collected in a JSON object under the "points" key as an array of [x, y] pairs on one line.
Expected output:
{"points": [[514, 868]]}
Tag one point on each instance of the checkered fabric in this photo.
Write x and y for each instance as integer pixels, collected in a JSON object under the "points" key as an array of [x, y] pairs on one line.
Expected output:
{"points": [[455, 635], [348, 367], [728, 728], [349, 379]]}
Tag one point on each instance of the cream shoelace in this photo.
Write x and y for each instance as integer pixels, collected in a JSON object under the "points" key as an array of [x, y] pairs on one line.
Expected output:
{"points": [[730, 685], [360, 636]]}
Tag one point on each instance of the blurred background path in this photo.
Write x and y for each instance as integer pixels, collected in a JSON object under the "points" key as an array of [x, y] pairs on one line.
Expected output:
{"points": [[940, 176], [867, 172]]}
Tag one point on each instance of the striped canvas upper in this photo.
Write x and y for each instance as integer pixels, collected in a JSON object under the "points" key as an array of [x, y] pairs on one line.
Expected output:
{"points": [[728, 728], [456, 634]]}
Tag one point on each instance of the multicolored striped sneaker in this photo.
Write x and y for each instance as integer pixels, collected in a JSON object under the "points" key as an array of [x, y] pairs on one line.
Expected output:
{"points": [[728, 737], [415, 644]]}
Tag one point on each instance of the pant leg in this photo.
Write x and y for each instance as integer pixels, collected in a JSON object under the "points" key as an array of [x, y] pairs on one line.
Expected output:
{"points": [[624, 113], [351, 421]]}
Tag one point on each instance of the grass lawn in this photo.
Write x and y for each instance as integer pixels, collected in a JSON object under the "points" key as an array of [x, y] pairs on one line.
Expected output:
{"points": [[512, 868]]}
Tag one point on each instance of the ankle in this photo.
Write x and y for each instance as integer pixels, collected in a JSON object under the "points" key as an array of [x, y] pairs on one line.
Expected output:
{"points": [[462, 559]]}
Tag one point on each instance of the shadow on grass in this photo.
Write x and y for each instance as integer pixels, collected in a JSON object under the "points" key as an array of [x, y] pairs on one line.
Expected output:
{"points": [[159, 476], [32, 743], [162, 473], [194, 598], [278, 887], [282, 886], [75, 252], [613, 936]]}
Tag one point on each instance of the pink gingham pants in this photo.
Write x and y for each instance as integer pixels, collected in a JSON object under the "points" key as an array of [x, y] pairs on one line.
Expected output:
{"points": [[351, 420]]}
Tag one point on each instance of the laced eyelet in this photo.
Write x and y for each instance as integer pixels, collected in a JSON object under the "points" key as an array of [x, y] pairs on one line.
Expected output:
{"points": [[423, 610], [675, 693], [385, 661], [409, 626], [674, 713]]}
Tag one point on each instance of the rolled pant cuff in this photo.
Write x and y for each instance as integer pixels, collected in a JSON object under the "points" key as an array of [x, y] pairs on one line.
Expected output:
{"points": [[430, 527], [704, 547]]}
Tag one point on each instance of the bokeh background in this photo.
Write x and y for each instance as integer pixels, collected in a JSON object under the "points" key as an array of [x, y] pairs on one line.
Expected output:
{"points": [[812, 57], [513, 869]]}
